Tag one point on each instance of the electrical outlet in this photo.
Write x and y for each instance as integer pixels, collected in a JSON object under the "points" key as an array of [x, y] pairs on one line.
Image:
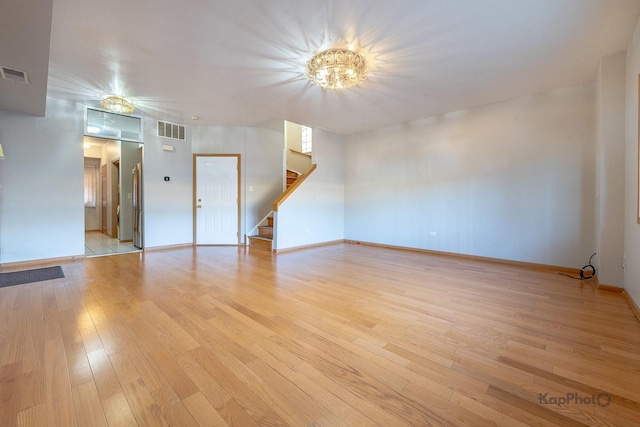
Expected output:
{"points": [[433, 233]]}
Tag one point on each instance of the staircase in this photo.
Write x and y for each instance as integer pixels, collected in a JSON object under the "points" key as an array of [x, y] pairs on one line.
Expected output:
{"points": [[291, 177], [264, 238]]}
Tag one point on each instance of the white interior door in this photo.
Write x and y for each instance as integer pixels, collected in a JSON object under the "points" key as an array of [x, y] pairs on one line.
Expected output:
{"points": [[217, 200]]}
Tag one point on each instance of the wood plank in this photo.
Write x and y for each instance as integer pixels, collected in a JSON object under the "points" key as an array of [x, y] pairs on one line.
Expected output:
{"points": [[88, 407], [366, 386], [124, 368], [32, 388], [103, 374], [34, 416], [10, 392], [162, 357], [172, 408], [204, 414], [142, 404], [118, 412], [255, 407], [144, 365], [58, 391], [329, 388], [16, 335], [179, 334], [79, 368], [292, 403]]}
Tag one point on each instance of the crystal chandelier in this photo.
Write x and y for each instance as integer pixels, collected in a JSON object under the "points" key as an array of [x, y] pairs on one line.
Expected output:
{"points": [[337, 68], [117, 104]]}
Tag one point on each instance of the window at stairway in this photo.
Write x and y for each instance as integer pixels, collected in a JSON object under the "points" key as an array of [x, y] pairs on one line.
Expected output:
{"points": [[90, 186], [306, 139]]}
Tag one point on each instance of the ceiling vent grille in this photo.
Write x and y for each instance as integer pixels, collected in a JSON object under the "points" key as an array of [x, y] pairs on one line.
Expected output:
{"points": [[171, 130], [14, 75]]}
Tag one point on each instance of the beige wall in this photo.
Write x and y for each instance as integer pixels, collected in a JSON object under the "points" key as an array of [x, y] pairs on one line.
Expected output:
{"points": [[92, 214], [293, 137]]}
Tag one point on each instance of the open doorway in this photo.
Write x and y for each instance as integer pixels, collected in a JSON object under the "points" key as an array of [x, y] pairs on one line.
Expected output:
{"points": [[109, 190]]}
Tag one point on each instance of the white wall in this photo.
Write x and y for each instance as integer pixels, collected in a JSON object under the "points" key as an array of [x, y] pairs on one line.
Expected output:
{"points": [[43, 206], [512, 180], [263, 173], [42, 213], [609, 137], [261, 162], [314, 213], [167, 206], [631, 226]]}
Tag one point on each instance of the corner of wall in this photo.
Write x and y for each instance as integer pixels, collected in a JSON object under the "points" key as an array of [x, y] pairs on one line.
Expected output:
{"points": [[631, 226]]}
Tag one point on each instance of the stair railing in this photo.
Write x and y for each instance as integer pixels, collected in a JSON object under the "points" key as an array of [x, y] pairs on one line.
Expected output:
{"points": [[293, 187]]}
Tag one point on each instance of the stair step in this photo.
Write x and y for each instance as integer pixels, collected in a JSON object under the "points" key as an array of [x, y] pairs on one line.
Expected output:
{"points": [[265, 230], [292, 174], [261, 242], [270, 221]]}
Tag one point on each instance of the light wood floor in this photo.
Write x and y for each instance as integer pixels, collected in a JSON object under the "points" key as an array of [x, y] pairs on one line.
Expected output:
{"points": [[344, 335]]}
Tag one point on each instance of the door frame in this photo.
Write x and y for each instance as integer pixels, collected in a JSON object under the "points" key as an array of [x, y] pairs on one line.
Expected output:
{"points": [[195, 189], [115, 198], [103, 198]]}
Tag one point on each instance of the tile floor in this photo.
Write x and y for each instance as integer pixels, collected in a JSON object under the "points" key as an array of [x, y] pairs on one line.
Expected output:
{"points": [[96, 243]]}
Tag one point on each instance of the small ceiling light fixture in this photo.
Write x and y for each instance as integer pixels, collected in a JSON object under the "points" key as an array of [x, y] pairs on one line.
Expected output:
{"points": [[117, 104], [337, 69]]}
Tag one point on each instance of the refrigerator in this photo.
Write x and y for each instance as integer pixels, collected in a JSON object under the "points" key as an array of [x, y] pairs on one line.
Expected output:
{"points": [[136, 200]]}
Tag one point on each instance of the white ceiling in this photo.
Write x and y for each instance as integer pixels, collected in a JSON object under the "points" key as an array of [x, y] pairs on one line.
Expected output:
{"points": [[241, 62], [25, 30]]}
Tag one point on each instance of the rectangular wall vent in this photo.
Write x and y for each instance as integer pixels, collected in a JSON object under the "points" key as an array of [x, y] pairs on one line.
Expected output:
{"points": [[14, 75], [171, 130]]}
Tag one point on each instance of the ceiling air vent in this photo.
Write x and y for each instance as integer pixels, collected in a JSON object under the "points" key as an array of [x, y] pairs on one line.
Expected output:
{"points": [[171, 130], [14, 75]]}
